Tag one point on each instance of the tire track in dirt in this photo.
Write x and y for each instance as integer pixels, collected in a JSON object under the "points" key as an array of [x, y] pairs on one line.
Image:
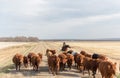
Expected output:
{"points": [[8, 60], [43, 69]]}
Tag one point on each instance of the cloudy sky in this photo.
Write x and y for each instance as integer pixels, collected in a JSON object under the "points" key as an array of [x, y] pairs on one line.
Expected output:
{"points": [[60, 19]]}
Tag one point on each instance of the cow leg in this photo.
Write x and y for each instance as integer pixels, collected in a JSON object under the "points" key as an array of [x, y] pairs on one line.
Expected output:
{"points": [[75, 63], [70, 66], [63, 67], [94, 72], [49, 69], [89, 72], [16, 66], [30, 62], [33, 67], [77, 66], [83, 70], [19, 66], [60, 66], [80, 68], [56, 70], [52, 71], [37, 68]]}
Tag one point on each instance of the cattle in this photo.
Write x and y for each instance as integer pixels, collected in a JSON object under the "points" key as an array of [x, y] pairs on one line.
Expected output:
{"points": [[99, 56], [30, 55], [25, 61], [63, 61], [79, 61], [36, 60], [75, 58], [85, 54], [102, 57], [90, 64], [40, 55], [48, 53], [53, 64], [107, 69], [70, 60], [17, 60], [52, 51]]}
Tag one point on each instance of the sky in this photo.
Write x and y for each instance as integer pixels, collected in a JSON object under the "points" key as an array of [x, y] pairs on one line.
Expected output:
{"points": [[60, 19]]}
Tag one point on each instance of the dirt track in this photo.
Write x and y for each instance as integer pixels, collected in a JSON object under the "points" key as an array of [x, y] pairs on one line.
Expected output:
{"points": [[8, 69]]}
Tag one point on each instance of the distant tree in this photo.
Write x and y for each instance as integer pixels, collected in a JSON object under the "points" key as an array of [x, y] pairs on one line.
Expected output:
{"points": [[19, 39], [33, 39]]}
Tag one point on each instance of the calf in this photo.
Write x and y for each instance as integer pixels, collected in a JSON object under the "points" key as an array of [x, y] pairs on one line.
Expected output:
{"points": [[79, 61], [85, 54], [36, 60], [40, 55], [63, 61], [30, 55], [99, 56], [75, 58], [90, 64], [70, 60], [52, 51], [17, 60], [107, 69], [53, 63], [25, 61]]}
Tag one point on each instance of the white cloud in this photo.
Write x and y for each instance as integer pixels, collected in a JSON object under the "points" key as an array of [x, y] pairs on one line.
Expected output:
{"points": [[24, 7], [56, 17], [85, 20]]}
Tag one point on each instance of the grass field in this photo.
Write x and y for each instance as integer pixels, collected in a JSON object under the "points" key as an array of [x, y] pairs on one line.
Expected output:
{"points": [[7, 69]]}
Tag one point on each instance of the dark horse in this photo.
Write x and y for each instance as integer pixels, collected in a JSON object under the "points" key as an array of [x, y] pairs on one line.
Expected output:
{"points": [[65, 47]]}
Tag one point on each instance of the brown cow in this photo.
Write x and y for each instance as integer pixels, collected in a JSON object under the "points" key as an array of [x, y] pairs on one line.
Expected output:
{"points": [[90, 64], [17, 60], [102, 57], [63, 60], [40, 55], [30, 55], [75, 58], [52, 51], [53, 63], [25, 61], [79, 61], [70, 60], [99, 56], [36, 60], [48, 53], [107, 69], [85, 54]]}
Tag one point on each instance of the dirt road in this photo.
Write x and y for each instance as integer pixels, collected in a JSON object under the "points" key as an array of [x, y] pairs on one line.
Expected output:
{"points": [[8, 69]]}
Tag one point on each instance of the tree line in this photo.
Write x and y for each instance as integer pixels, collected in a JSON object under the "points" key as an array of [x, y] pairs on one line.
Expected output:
{"points": [[19, 39]]}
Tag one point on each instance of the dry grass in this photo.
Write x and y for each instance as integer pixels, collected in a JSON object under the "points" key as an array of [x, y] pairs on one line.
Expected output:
{"points": [[110, 49]]}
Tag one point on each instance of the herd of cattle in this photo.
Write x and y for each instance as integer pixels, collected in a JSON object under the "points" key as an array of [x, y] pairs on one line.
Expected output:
{"points": [[58, 62]]}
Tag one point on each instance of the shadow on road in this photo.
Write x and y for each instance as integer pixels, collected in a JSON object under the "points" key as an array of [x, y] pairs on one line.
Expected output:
{"points": [[27, 72]]}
